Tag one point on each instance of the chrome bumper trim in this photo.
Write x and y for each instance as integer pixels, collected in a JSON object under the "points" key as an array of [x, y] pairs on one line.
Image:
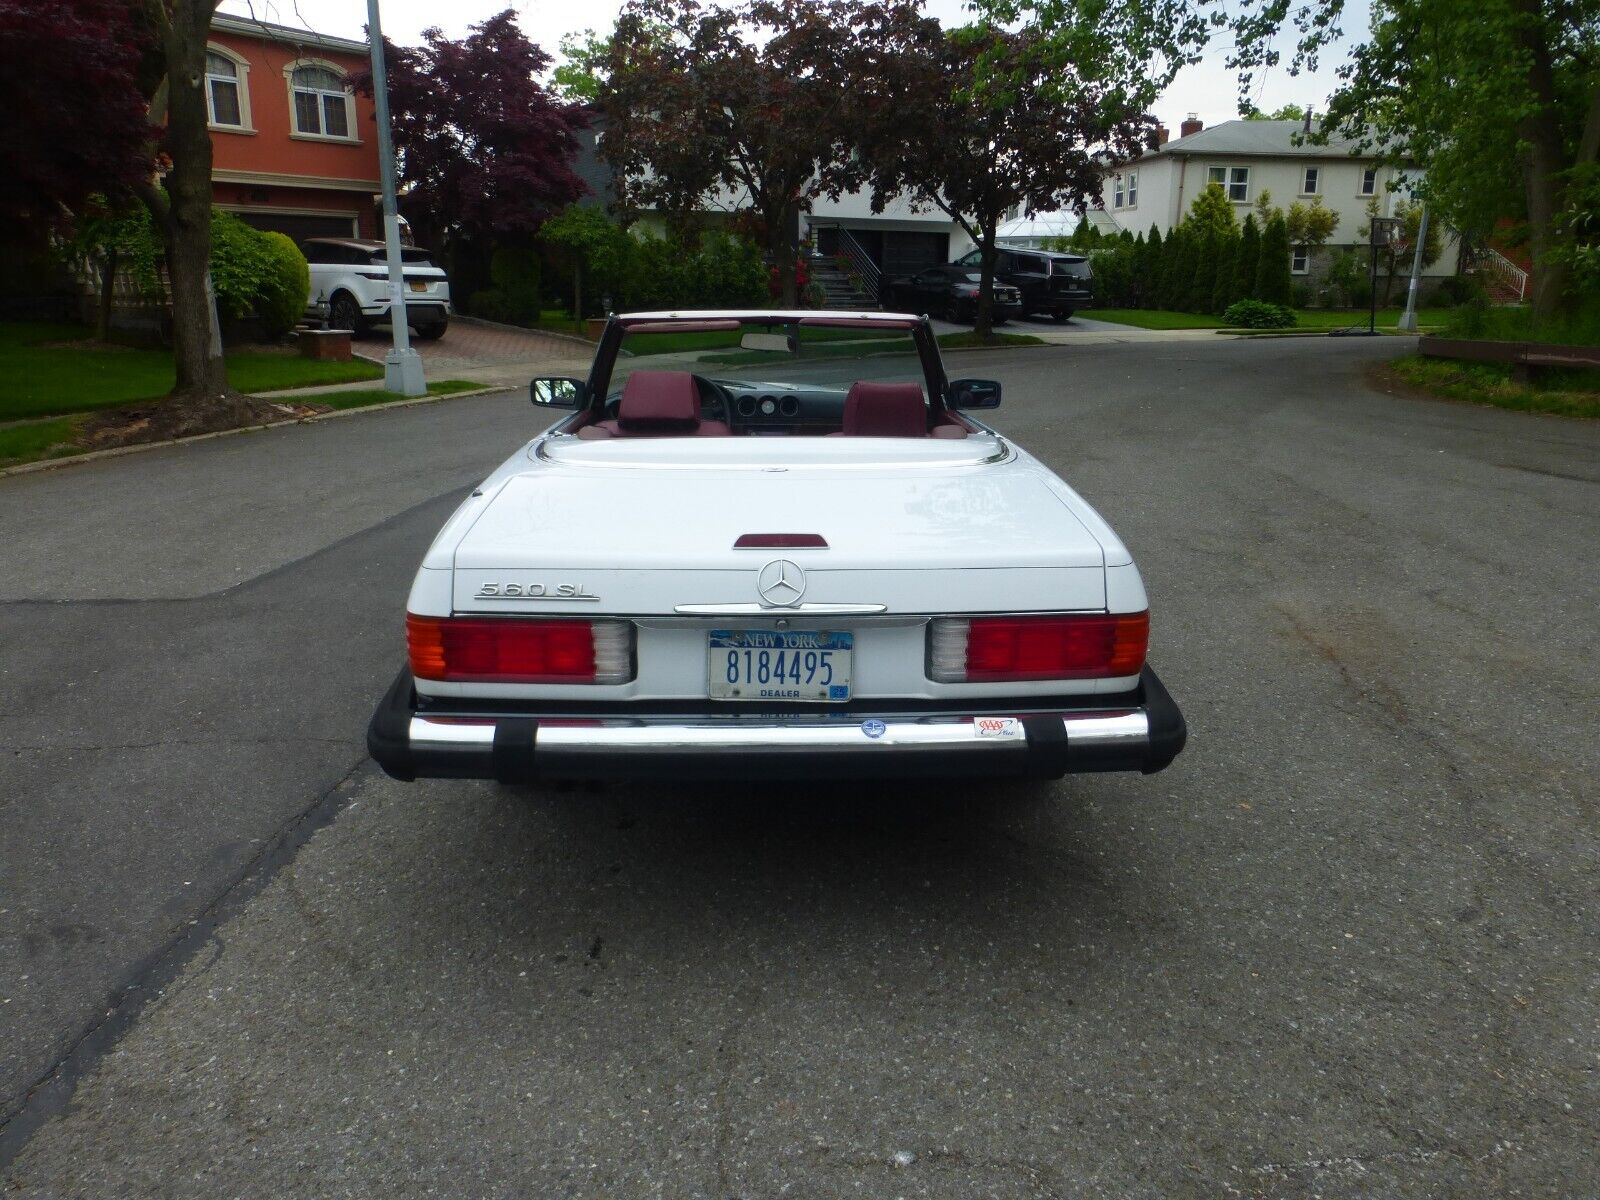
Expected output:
{"points": [[1125, 730]]}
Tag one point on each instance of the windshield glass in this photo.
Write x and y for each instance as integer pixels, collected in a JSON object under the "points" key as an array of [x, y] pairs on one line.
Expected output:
{"points": [[787, 355]]}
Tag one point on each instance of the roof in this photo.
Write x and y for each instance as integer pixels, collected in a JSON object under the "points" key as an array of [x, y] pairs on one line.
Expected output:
{"points": [[1256, 139], [287, 34]]}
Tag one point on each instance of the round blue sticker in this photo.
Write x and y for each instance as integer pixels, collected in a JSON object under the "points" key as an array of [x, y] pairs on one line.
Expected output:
{"points": [[874, 728]]}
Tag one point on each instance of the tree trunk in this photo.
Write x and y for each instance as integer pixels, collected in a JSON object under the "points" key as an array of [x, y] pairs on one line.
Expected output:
{"points": [[984, 325], [1543, 178], [108, 281], [577, 289], [784, 246], [185, 223]]}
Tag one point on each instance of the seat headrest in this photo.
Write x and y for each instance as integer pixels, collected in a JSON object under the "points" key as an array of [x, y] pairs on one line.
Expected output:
{"points": [[885, 410], [653, 399]]}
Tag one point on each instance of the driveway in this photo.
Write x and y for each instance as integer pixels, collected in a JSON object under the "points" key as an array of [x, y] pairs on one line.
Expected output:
{"points": [[1345, 947], [486, 353]]}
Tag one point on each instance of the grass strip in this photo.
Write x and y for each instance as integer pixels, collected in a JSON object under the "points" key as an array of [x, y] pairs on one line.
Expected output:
{"points": [[35, 440], [368, 397], [964, 341], [1574, 393]]}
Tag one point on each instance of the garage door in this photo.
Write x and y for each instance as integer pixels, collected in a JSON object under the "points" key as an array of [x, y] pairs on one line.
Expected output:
{"points": [[300, 226], [906, 253]]}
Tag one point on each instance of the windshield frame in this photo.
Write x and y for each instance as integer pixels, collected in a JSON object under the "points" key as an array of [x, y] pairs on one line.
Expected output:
{"points": [[617, 325]]}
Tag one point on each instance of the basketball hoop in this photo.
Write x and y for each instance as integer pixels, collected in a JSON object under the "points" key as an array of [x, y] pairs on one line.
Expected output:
{"points": [[1400, 245]]}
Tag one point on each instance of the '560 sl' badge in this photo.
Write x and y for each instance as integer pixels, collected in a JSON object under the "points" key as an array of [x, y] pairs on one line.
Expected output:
{"points": [[533, 591]]}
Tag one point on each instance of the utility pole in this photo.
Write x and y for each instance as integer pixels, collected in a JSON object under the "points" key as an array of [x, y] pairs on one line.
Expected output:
{"points": [[1408, 319], [402, 366]]}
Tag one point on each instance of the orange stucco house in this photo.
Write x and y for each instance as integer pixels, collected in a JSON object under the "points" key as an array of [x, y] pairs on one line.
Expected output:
{"points": [[293, 147]]}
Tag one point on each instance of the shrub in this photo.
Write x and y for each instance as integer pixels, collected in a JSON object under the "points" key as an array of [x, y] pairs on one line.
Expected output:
{"points": [[1258, 314], [285, 288], [1273, 280], [1348, 276], [1457, 289], [488, 303], [241, 261], [514, 275], [1300, 293]]}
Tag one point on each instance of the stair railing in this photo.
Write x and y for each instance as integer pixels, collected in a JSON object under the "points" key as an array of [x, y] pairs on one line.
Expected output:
{"points": [[1492, 262], [860, 261]]}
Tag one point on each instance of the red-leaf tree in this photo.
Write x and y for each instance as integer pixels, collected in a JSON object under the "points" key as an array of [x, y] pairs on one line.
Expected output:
{"points": [[744, 106], [987, 127], [485, 149], [75, 113]]}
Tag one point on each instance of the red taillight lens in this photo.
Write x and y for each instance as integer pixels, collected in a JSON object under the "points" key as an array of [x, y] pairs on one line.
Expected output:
{"points": [[512, 650], [995, 649]]}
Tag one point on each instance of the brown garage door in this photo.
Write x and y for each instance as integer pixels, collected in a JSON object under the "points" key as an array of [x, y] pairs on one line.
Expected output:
{"points": [[300, 226]]}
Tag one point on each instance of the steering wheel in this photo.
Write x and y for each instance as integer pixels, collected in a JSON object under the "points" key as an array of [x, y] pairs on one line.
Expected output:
{"points": [[713, 392]]}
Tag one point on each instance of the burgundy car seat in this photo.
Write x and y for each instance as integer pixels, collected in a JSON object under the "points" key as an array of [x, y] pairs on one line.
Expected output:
{"points": [[885, 410], [661, 404]]}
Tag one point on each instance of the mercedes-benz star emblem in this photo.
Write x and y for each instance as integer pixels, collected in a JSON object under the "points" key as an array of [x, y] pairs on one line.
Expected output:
{"points": [[781, 583]]}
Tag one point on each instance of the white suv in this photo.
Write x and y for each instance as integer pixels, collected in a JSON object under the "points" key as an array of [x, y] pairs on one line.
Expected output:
{"points": [[350, 286]]}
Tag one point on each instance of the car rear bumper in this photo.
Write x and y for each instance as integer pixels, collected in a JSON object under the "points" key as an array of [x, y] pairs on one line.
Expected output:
{"points": [[418, 312], [1143, 731]]}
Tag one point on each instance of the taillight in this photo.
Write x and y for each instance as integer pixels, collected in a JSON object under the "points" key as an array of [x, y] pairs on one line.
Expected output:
{"points": [[518, 650], [1076, 646]]}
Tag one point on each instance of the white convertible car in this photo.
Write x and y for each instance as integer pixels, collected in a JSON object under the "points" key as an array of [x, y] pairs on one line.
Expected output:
{"points": [[773, 544]]}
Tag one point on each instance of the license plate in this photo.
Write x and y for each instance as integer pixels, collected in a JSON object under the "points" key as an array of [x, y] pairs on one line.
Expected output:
{"points": [[779, 664], [416, 285]]}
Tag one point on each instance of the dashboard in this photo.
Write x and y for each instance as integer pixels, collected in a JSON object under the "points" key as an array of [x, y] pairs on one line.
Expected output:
{"points": [[757, 409]]}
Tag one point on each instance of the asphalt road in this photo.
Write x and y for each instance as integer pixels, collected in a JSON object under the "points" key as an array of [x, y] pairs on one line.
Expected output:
{"points": [[1347, 946]]}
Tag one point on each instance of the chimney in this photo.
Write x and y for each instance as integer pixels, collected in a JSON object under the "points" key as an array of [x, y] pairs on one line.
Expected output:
{"points": [[1163, 135], [1191, 124], [1307, 127]]}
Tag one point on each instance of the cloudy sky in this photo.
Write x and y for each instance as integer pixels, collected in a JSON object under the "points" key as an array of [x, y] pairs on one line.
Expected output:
{"points": [[1208, 88]]}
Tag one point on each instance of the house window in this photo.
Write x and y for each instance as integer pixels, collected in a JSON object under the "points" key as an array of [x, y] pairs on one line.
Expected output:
{"points": [[1116, 191], [1133, 189], [227, 90], [1234, 180], [321, 105], [222, 91], [1300, 261], [1308, 185], [1369, 181]]}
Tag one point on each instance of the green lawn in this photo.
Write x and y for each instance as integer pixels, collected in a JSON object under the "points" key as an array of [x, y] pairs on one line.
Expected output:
{"points": [[38, 439], [366, 397], [1150, 318], [1309, 318], [1574, 393], [44, 373]]}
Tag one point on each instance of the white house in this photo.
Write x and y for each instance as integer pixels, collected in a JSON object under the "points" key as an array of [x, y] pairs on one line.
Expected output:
{"points": [[1248, 158]]}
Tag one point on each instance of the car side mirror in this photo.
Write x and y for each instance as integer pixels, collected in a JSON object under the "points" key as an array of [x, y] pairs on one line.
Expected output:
{"points": [[557, 391], [974, 393]]}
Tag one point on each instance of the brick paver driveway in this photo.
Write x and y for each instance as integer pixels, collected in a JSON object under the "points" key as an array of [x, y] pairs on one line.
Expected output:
{"points": [[473, 349]]}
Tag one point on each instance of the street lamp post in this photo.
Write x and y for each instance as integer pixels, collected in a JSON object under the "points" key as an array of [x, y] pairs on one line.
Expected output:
{"points": [[402, 366], [1408, 319]]}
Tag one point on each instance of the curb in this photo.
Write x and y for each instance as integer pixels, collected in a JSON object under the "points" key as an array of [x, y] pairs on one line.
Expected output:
{"points": [[72, 460]]}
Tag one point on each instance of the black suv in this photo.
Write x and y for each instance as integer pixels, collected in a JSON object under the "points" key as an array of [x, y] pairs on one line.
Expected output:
{"points": [[1049, 280]]}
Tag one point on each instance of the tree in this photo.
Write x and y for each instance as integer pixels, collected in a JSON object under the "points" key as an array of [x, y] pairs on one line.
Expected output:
{"points": [[984, 125], [64, 143], [1273, 282], [1391, 262], [1205, 271], [753, 102], [1310, 225], [182, 212], [581, 76], [1249, 258], [1222, 294], [484, 149], [1211, 211], [1147, 285], [598, 248], [1288, 112]]}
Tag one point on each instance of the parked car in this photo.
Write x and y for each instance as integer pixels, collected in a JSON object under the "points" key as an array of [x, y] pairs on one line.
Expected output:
{"points": [[949, 291], [350, 286], [871, 581], [1050, 282]]}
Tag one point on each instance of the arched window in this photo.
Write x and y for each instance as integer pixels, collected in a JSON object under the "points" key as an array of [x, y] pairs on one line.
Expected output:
{"points": [[227, 89], [321, 103]]}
